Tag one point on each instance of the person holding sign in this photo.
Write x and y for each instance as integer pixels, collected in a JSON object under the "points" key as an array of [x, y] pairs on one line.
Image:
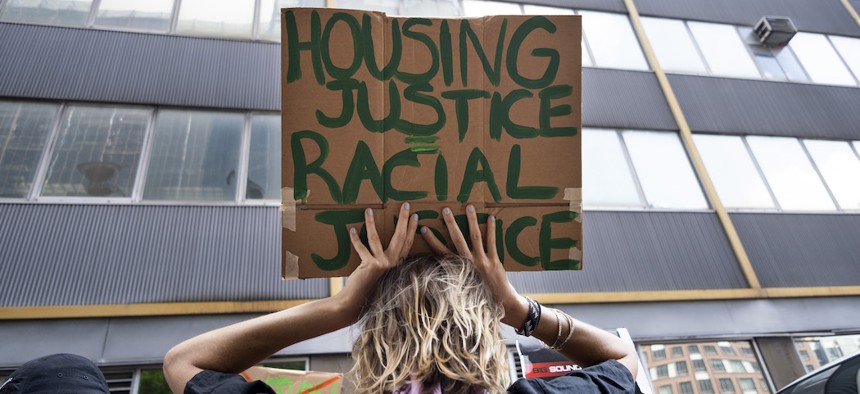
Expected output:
{"points": [[428, 324]]}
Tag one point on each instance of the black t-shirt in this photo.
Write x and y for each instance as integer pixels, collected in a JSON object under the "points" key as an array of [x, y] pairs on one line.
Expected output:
{"points": [[607, 377]]}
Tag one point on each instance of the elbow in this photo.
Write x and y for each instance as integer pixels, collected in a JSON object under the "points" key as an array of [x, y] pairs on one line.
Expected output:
{"points": [[174, 366]]}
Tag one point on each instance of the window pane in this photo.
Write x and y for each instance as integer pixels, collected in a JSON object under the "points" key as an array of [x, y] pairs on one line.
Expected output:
{"points": [[96, 152], [820, 59], [217, 18], [792, 68], [723, 49], [737, 180], [544, 10], [790, 174], [664, 170], [136, 14], [606, 176], [264, 163], [685, 387], [726, 385], [818, 351], [152, 382], [764, 57], [840, 168], [681, 368], [849, 48], [612, 41], [430, 8], [195, 156], [56, 12], [673, 45], [705, 386], [270, 15], [481, 8], [666, 389], [24, 128]]}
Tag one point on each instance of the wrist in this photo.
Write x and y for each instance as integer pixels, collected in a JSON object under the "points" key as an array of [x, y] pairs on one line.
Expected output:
{"points": [[516, 311]]}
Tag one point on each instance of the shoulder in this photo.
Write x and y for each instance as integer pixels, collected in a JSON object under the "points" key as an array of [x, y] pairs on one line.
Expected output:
{"points": [[607, 377], [218, 382]]}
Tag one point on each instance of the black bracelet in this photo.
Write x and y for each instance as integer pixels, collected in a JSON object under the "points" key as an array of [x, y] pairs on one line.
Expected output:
{"points": [[532, 319]]}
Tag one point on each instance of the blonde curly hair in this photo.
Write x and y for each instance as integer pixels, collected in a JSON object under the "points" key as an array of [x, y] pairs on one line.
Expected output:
{"points": [[432, 320]]}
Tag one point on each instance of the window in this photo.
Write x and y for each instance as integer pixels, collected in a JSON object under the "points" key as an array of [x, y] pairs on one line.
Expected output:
{"points": [[673, 45], [482, 8], [699, 365], [693, 349], [659, 351], [778, 64], [612, 41], [710, 349], [97, 152], [849, 50], [705, 386], [153, 15], [677, 351], [746, 351], [804, 355], [151, 381], [747, 384], [827, 349], [820, 60], [664, 170], [665, 389], [839, 166], [270, 15], [607, 178], [791, 176], [726, 348], [24, 129], [738, 181], [216, 18], [726, 385], [723, 50], [681, 368], [195, 156], [685, 388], [55, 12], [645, 355], [718, 366], [662, 371], [264, 161], [737, 366]]}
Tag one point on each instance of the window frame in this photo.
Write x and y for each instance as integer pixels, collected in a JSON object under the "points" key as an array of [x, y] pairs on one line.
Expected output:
{"points": [[44, 157]]}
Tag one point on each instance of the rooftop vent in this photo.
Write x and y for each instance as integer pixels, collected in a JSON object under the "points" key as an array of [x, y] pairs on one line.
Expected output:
{"points": [[775, 30]]}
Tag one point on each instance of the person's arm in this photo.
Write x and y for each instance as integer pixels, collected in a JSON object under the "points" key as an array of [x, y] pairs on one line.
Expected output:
{"points": [[587, 346], [235, 348]]}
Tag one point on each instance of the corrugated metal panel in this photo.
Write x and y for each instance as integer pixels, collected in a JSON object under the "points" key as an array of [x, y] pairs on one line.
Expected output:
{"points": [[640, 251], [823, 16], [798, 250], [117, 254], [624, 99], [110, 66], [743, 106]]}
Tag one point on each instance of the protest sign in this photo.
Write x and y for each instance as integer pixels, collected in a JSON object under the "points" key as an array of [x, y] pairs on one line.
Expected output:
{"points": [[380, 110]]}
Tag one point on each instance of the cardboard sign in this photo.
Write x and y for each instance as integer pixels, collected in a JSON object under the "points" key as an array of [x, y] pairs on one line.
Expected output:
{"points": [[438, 112], [286, 381]]}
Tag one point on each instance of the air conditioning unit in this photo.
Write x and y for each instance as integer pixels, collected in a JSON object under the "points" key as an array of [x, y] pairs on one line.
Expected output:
{"points": [[775, 30]]}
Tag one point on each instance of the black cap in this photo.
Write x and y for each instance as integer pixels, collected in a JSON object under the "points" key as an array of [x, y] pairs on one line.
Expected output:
{"points": [[57, 373]]}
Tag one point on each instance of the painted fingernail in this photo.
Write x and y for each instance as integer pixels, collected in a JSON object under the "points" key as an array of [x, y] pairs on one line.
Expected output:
{"points": [[415, 217], [352, 230], [491, 219], [369, 212], [406, 205], [446, 211], [423, 230], [470, 208]]}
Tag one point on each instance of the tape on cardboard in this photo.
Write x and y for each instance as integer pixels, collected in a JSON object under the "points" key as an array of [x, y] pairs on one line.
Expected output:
{"points": [[290, 266], [575, 254], [573, 195], [288, 209]]}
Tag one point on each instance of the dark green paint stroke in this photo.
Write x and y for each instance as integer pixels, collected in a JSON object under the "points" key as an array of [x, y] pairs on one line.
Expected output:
{"points": [[547, 111], [363, 166], [533, 23], [301, 168], [547, 242], [461, 99], [295, 47], [339, 220], [512, 187], [355, 31], [511, 237], [472, 174]]}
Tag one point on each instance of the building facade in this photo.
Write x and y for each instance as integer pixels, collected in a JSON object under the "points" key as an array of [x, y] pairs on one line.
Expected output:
{"points": [[140, 183]]}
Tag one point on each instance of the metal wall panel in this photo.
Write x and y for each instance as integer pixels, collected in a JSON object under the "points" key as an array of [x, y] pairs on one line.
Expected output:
{"points": [[741, 106], [110, 66], [118, 254], [624, 99], [822, 16], [799, 250], [641, 251]]}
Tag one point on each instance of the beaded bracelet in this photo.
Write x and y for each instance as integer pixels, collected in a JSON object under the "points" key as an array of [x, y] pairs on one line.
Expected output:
{"points": [[532, 319]]}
